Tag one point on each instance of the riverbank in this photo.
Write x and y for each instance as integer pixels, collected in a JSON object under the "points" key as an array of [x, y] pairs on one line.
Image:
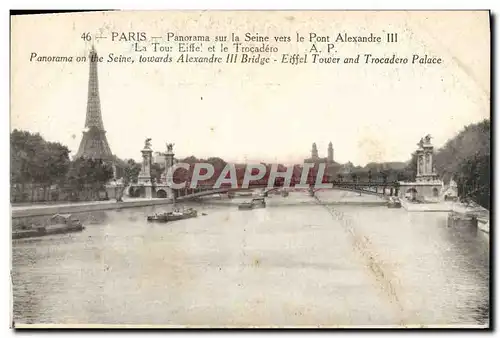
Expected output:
{"points": [[74, 208], [457, 207], [482, 214], [426, 207], [296, 198]]}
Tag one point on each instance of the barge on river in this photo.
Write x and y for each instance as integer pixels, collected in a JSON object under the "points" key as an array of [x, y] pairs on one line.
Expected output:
{"points": [[253, 204], [60, 224], [171, 216]]}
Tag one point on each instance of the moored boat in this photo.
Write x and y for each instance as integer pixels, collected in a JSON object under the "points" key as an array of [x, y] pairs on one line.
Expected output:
{"points": [[456, 219], [484, 226], [245, 206], [171, 216], [61, 224], [253, 204], [259, 202]]}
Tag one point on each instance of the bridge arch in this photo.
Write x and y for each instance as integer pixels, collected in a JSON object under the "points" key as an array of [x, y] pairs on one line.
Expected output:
{"points": [[268, 190], [134, 191], [204, 193], [161, 193], [435, 192], [412, 193]]}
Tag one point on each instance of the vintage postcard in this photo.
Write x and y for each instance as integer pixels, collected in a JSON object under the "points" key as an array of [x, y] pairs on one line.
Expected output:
{"points": [[244, 169]]}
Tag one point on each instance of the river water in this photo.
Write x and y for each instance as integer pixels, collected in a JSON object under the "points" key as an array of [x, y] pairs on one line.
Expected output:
{"points": [[295, 265]]}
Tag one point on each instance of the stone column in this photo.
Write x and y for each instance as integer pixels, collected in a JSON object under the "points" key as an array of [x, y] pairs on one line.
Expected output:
{"points": [[169, 163], [418, 164], [144, 178], [430, 161]]}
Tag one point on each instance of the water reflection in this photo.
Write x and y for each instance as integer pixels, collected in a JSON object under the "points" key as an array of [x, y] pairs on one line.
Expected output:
{"points": [[468, 254], [274, 266]]}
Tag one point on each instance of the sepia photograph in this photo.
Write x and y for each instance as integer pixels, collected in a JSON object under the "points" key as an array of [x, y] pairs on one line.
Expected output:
{"points": [[250, 169]]}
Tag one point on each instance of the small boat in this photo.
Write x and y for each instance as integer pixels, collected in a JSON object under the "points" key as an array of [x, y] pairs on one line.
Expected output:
{"points": [[253, 204], [245, 206], [394, 202], [259, 202], [462, 220], [171, 216], [61, 224]]}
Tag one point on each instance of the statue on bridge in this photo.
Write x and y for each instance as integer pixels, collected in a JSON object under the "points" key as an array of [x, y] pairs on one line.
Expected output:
{"points": [[428, 139], [170, 147], [147, 143], [421, 143], [424, 141]]}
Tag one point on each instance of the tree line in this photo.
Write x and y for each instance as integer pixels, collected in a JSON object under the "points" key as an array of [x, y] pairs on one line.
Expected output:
{"points": [[466, 159], [36, 166]]}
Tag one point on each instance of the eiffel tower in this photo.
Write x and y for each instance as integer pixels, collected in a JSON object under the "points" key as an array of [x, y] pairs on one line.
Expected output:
{"points": [[94, 143]]}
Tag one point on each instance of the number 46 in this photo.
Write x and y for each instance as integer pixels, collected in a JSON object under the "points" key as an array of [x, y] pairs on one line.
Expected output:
{"points": [[86, 37]]}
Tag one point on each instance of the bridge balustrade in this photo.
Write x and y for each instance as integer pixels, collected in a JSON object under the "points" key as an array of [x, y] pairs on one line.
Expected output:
{"points": [[376, 187]]}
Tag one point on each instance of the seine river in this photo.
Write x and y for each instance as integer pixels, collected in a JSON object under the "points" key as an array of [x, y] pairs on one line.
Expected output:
{"points": [[286, 265]]}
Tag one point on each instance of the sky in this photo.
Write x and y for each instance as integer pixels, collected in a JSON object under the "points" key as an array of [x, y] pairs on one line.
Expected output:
{"points": [[244, 112]]}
